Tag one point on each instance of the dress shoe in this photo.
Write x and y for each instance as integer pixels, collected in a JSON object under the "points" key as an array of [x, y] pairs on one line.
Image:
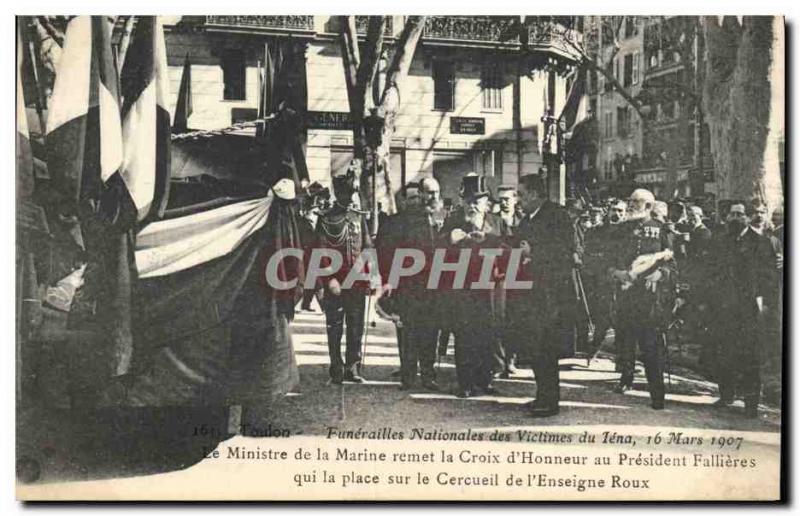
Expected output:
{"points": [[350, 376], [542, 410], [657, 404], [490, 390], [430, 385], [464, 393], [722, 403], [337, 374], [396, 373], [622, 387]]}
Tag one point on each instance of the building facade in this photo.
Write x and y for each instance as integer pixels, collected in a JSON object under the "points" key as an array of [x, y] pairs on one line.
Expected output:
{"points": [[658, 61], [472, 101]]}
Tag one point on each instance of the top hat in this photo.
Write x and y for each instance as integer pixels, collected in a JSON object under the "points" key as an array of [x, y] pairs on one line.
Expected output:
{"points": [[473, 185]]}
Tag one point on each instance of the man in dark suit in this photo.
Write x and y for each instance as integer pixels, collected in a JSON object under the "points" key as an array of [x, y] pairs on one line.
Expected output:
{"points": [[307, 225], [416, 227], [470, 316], [546, 236], [744, 276], [509, 336]]}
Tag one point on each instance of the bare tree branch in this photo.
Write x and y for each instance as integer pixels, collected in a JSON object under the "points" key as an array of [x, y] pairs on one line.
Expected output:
{"points": [[44, 23], [401, 61], [373, 48], [592, 64]]}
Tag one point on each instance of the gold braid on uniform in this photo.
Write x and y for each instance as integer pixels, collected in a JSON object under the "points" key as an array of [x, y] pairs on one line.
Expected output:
{"points": [[343, 236], [336, 239]]}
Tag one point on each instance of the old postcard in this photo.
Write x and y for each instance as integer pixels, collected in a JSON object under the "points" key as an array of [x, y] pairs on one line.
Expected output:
{"points": [[400, 257]]}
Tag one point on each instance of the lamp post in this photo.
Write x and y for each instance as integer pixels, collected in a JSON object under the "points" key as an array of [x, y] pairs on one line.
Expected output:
{"points": [[373, 128]]}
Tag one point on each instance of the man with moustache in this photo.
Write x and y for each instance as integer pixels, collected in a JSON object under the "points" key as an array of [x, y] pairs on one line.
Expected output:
{"points": [[416, 227], [744, 265], [470, 314], [601, 244], [640, 308], [546, 237]]}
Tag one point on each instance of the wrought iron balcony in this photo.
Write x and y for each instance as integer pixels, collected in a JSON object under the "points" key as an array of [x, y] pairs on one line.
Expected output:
{"points": [[545, 34], [292, 23], [556, 36], [469, 30], [363, 21]]}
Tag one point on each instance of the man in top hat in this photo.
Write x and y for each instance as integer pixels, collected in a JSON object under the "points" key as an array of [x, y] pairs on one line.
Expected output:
{"points": [[546, 236], [470, 315], [312, 206], [344, 229], [641, 307]]}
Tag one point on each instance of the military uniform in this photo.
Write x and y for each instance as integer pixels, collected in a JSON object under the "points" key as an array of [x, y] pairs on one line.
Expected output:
{"points": [[550, 303], [641, 312], [601, 247], [345, 230]]}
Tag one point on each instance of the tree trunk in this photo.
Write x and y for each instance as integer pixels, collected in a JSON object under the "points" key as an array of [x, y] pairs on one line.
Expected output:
{"points": [[361, 73], [743, 103]]}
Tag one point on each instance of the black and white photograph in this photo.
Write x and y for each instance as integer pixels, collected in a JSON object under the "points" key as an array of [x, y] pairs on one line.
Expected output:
{"points": [[400, 257]]}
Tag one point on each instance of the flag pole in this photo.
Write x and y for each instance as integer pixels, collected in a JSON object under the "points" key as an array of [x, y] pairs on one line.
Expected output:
{"points": [[34, 59]]}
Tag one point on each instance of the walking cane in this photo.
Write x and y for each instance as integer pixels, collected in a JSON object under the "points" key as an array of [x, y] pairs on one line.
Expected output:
{"points": [[666, 357], [590, 324], [366, 332]]}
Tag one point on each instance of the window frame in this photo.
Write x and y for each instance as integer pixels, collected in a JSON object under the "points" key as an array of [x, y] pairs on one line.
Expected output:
{"points": [[226, 65], [435, 71], [492, 75]]}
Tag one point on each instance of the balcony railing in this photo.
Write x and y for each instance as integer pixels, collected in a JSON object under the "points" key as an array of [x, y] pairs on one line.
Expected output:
{"points": [[362, 22], [550, 36], [546, 34], [296, 23], [487, 29]]}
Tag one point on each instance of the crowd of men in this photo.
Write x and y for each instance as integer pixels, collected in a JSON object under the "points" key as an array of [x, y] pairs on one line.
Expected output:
{"points": [[634, 265]]}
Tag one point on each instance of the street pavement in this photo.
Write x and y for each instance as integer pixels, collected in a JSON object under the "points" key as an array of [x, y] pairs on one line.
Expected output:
{"points": [[587, 395]]}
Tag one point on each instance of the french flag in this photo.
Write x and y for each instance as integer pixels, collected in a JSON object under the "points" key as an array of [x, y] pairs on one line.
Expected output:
{"points": [[84, 131], [145, 120]]}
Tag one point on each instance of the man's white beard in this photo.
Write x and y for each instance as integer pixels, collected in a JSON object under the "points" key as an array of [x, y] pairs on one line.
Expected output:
{"points": [[635, 215], [474, 218]]}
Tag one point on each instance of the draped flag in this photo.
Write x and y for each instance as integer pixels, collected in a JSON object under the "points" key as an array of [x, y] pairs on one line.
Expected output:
{"points": [[575, 107], [145, 120], [84, 137], [24, 154], [183, 109], [85, 156]]}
